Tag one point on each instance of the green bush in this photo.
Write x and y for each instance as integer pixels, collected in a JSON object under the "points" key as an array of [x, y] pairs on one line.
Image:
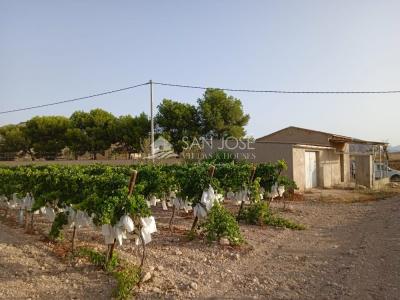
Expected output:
{"points": [[60, 220], [126, 274], [260, 214], [255, 214], [127, 279], [220, 223]]}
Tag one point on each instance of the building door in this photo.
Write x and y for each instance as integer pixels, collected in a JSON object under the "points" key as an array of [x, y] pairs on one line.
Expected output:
{"points": [[311, 169]]}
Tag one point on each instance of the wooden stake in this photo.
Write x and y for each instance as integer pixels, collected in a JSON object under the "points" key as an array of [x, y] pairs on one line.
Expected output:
{"points": [[132, 182], [73, 240], [31, 225], [171, 228]]}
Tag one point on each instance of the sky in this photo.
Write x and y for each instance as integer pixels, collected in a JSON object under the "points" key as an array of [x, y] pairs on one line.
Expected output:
{"points": [[57, 50]]}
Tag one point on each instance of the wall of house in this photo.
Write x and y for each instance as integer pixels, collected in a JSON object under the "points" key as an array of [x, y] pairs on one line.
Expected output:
{"points": [[328, 167], [240, 150], [381, 183], [255, 152], [271, 152], [299, 168], [347, 163], [364, 167], [328, 161]]}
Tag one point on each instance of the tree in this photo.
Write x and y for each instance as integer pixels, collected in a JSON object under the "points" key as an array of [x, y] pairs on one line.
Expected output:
{"points": [[77, 141], [221, 115], [48, 135], [177, 120], [131, 131], [96, 131], [13, 141]]}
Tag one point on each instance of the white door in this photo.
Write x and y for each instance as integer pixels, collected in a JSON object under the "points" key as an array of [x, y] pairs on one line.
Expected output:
{"points": [[311, 169]]}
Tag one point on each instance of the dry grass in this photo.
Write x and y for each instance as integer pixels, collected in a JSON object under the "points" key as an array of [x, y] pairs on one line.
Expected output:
{"points": [[350, 195], [394, 160], [394, 156]]}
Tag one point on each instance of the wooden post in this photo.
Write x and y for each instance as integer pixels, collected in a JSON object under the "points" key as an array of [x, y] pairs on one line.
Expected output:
{"points": [[111, 250], [73, 240], [31, 225], [132, 182], [143, 245], [171, 228]]}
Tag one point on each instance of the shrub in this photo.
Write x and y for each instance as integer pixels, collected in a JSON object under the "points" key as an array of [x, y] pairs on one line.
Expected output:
{"points": [[220, 223], [126, 274], [260, 214], [127, 279], [60, 220]]}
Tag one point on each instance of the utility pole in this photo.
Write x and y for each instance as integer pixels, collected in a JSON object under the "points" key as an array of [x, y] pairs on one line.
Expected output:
{"points": [[151, 119]]}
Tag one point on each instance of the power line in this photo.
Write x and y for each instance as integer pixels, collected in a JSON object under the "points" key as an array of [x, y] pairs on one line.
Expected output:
{"points": [[201, 88], [276, 91], [75, 99]]}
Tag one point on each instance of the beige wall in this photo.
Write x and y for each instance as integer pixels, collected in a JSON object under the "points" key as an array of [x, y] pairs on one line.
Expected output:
{"points": [[328, 161], [347, 162], [364, 169], [299, 168], [328, 167], [240, 150], [258, 153], [271, 152]]}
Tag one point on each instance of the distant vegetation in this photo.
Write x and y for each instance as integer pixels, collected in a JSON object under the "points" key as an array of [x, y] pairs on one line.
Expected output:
{"points": [[217, 115]]}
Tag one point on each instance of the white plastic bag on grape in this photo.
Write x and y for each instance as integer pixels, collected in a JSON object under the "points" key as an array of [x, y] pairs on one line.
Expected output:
{"points": [[274, 192], [281, 190], [127, 223], [50, 214], [148, 227]]}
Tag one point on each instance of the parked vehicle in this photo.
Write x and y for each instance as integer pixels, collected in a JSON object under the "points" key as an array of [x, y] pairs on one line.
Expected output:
{"points": [[383, 171], [394, 175]]}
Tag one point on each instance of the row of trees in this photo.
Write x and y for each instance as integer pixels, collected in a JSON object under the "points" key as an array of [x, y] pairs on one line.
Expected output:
{"points": [[216, 115], [84, 132]]}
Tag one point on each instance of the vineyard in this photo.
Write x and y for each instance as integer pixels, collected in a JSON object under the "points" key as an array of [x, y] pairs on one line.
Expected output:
{"points": [[119, 202]]}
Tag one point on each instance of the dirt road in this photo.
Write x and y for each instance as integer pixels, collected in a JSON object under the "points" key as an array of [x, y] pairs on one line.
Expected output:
{"points": [[348, 251]]}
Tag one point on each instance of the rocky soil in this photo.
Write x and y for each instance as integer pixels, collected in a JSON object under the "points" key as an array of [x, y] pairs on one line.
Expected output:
{"points": [[348, 251]]}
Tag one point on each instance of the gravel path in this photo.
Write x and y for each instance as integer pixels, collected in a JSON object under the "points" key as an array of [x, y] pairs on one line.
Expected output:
{"points": [[348, 251]]}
